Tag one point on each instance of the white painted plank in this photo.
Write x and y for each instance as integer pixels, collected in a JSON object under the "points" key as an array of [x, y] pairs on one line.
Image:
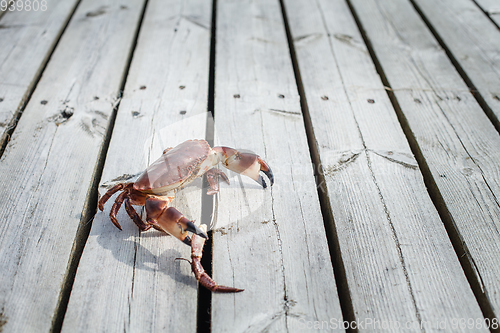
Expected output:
{"points": [[270, 242], [459, 144], [400, 265], [48, 166], [127, 280], [491, 7], [26, 41], [474, 42]]}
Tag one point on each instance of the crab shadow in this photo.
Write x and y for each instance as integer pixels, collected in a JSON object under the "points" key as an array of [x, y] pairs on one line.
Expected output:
{"points": [[144, 251]]}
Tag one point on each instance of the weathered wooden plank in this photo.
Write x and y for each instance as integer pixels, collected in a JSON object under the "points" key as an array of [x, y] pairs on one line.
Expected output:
{"points": [[400, 265], [460, 146], [271, 242], [474, 42], [129, 280], [47, 168], [490, 7], [26, 40]]}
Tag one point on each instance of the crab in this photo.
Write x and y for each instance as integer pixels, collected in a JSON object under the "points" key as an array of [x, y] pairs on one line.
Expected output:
{"points": [[156, 187]]}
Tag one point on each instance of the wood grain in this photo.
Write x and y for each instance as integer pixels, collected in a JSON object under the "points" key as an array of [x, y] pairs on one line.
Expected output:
{"points": [[459, 144], [400, 265], [49, 164], [27, 39], [128, 280], [270, 242], [474, 42]]}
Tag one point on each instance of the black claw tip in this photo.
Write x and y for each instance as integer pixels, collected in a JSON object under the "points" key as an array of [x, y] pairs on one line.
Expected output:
{"points": [[262, 181], [269, 175], [195, 230], [187, 241]]}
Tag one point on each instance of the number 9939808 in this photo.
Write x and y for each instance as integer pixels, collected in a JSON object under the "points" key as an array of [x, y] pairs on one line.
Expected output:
{"points": [[26, 5]]}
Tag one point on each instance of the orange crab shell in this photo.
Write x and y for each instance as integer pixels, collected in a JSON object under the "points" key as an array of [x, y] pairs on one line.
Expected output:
{"points": [[176, 167]]}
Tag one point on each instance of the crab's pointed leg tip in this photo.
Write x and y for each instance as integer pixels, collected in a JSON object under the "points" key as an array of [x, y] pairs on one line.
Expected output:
{"points": [[224, 289], [195, 230], [187, 241], [115, 222]]}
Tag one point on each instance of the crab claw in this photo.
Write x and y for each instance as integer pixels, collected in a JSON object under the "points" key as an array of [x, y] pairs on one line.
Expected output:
{"points": [[187, 241], [170, 220], [247, 164], [195, 230]]}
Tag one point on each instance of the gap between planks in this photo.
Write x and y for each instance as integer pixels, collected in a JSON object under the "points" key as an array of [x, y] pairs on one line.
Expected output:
{"points": [[491, 8], [204, 318]]}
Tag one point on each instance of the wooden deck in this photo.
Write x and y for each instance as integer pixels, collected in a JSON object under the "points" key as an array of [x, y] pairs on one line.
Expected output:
{"points": [[380, 120]]}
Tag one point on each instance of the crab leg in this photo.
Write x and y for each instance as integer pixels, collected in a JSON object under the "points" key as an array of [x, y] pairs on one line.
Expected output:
{"points": [[116, 208], [109, 193], [212, 176], [135, 217], [205, 280], [247, 164]]}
